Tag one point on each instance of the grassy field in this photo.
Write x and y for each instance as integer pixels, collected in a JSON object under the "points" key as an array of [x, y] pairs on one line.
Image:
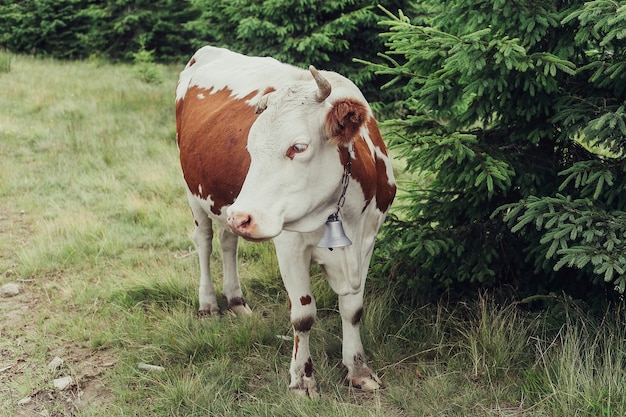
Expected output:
{"points": [[94, 227]]}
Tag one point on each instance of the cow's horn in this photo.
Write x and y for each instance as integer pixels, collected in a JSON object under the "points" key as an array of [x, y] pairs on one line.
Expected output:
{"points": [[322, 84]]}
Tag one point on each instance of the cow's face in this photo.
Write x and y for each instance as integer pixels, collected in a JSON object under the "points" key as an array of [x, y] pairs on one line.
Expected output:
{"points": [[294, 180]]}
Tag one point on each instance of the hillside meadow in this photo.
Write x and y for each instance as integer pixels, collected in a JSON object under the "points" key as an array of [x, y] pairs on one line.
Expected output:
{"points": [[94, 228]]}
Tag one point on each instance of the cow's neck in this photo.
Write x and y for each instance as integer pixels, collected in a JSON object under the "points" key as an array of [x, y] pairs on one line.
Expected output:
{"points": [[333, 228]]}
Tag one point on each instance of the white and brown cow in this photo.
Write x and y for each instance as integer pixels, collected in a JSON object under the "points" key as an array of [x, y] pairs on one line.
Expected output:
{"points": [[266, 149]]}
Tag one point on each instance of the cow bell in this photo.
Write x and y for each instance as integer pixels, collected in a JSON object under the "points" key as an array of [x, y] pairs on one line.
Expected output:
{"points": [[334, 236]]}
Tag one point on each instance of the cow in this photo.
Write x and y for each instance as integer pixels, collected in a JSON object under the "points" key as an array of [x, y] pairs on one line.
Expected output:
{"points": [[272, 151]]}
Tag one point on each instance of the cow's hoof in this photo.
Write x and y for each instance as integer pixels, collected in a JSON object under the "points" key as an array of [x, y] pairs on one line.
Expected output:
{"points": [[238, 306], [306, 392], [241, 310], [207, 312], [364, 382]]}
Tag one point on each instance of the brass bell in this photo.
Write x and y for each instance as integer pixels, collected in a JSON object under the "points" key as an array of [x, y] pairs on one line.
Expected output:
{"points": [[334, 236]]}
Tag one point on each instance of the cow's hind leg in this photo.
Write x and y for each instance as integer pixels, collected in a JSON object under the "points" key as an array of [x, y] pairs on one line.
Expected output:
{"points": [[232, 288], [342, 273], [359, 373], [203, 240]]}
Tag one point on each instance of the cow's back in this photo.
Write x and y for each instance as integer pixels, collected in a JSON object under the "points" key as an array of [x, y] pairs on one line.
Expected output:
{"points": [[215, 108]]}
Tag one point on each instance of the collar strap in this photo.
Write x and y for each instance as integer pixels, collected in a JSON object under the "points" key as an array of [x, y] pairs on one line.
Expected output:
{"points": [[345, 180]]}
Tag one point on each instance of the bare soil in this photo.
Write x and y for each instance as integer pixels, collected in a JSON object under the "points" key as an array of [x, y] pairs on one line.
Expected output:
{"points": [[26, 383]]}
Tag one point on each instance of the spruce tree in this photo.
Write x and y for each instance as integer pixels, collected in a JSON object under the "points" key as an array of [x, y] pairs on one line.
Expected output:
{"points": [[514, 131]]}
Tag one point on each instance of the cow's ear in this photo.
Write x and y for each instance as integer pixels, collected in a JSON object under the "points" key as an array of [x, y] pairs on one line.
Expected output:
{"points": [[344, 120], [261, 105]]}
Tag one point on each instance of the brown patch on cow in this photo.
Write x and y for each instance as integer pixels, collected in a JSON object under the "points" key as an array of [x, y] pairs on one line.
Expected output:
{"points": [[363, 168], [289, 302], [213, 132], [356, 319], [344, 120], [192, 61], [369, 170], [296, 346], [385, 192], [306, 300], [308, 368], [304, 324]]}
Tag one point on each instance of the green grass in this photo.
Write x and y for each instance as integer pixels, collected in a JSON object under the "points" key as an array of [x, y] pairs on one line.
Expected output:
{"points": [[95, 225], [5, 62]]}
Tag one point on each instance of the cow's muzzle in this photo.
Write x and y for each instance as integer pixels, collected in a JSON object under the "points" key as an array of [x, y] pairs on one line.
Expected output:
{"points": [[243, 224]]}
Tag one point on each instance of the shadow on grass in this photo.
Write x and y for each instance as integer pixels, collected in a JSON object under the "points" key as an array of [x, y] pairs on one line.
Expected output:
{"points": [[164, 294]]}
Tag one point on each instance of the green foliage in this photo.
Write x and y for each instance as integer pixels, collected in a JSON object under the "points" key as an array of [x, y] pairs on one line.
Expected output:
{"points": [[498, 99], [159, 26], [145, 68], [61, 28], [577, 233], [83, 28], [327, 34]]}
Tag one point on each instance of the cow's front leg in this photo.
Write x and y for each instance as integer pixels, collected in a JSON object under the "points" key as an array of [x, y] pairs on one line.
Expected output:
{"points": [[359, 373], [294, 266], [302, 315], [203, 240], [301, 367]]}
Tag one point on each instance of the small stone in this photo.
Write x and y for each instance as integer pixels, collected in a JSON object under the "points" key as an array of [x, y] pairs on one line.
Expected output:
{"points": [[9, 290], [62, 383], [8, 273], [55, 363], [24, 401], [148, 367]]}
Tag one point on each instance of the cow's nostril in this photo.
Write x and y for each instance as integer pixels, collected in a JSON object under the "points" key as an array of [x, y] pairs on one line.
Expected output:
{"points": [[240, 221], [245, 221]]}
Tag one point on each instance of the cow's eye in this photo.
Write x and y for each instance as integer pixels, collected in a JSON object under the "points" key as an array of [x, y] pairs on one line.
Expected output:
{"points": [[296, 148], [299, 147]]}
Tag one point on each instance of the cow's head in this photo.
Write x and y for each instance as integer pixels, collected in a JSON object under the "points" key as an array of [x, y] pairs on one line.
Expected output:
{"points": [[294, 180]]}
